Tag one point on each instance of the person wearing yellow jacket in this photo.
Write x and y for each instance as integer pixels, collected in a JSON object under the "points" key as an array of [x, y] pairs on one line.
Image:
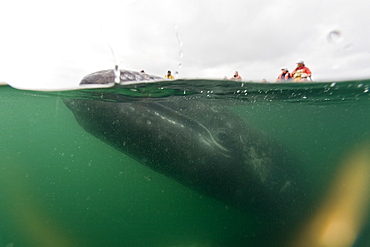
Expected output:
{"points": [[169, 76]]}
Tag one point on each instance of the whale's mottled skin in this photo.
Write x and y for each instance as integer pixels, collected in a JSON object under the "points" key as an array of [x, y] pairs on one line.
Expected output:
{"points": [[125, 76], [199, 143]]}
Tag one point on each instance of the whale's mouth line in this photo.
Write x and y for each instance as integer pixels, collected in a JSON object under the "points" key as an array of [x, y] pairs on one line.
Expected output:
{"points": [[205, 135]]}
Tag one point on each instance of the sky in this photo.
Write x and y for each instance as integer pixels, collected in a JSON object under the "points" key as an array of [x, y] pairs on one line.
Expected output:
{"points": [[49, 45]]}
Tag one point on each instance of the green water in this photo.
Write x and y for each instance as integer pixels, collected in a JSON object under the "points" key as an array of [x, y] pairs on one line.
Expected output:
{"points": [[60, 186]]}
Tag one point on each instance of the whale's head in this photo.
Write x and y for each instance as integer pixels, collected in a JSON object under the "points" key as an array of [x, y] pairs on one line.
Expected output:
{"points": [[125, 76]]}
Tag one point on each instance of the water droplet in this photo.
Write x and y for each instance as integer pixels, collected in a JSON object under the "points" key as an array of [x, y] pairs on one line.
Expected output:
{"points": [[348, 47], [334, 37]]}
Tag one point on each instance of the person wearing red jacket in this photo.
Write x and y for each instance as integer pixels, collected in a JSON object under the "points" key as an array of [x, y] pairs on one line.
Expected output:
{"points": [[236, 77], [284, 76], [299, 70]]}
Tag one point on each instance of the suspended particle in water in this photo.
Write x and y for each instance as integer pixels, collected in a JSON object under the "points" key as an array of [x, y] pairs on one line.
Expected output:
{"points": [[334, 37]]}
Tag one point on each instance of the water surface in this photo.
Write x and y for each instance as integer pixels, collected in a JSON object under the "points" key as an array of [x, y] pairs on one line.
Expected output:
{"points": [[61, 186]]}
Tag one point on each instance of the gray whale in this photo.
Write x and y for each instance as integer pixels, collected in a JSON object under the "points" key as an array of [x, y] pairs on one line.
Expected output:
{"points": [[199, 143]]}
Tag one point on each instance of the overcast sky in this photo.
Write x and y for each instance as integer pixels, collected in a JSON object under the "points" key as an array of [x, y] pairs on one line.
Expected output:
{"points": [[53, 44]]}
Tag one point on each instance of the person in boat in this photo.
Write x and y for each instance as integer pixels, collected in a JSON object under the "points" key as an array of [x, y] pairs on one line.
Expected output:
{"points": [[284, 76], [169, 75], [236, 77], [299, 70]]}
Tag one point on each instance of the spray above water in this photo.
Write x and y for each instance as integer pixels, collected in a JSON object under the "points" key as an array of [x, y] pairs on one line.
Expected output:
{"points": [[117, 73], [181, 54]]}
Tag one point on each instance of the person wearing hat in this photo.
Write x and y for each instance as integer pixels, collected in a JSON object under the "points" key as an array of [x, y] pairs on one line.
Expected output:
{"points": [[299, 70], [284, 76], [236, 77], [169, 76]]}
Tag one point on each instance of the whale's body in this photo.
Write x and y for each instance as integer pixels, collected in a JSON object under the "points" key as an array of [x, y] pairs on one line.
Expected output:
{"points": [[200, 144]]}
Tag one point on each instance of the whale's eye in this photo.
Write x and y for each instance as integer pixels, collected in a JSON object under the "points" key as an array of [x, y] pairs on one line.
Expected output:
{"points": [[221, 135]]}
